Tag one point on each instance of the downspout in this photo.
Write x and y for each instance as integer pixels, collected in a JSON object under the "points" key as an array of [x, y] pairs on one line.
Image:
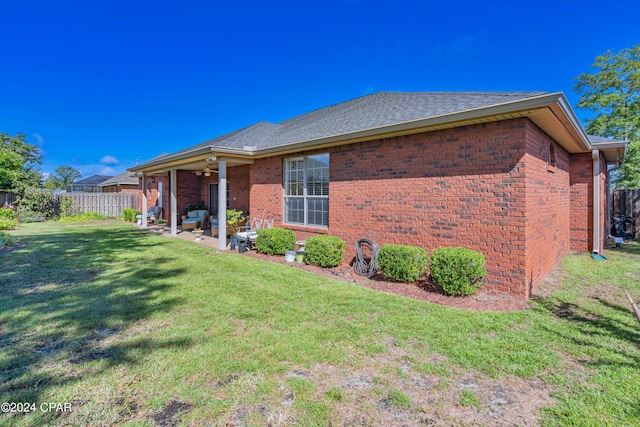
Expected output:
{"points": [[595, 156]]}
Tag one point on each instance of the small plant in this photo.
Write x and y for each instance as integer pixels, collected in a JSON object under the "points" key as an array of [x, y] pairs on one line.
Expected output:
{"points": [[235, 220], [399, 398], [324, 251], [402, 263], [131, 215], [7, 213], [458, 270], [6, 239], [469, 398], [7, 223], [82, 217], [335, 393], [275, 241], [161, 221]]}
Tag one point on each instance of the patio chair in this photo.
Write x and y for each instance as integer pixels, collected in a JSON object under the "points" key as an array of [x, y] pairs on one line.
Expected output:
{"points": [[154, 214], [251, 233]]}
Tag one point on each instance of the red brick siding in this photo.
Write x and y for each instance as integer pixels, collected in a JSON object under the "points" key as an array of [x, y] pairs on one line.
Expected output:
{"points": [[152, 194], [581, 202], [461, 186], [238, 179], [188, 190], [548, 205]]}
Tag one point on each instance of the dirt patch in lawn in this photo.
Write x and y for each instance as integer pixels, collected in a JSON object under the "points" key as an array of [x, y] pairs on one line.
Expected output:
{"points": [[393, 388], [423, 289]]}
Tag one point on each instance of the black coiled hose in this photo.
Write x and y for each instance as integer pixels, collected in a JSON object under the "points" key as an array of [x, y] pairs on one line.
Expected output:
{"points": [[366, 266]]}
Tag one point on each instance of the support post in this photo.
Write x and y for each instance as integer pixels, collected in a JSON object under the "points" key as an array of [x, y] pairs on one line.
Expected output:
{"points": [[222, 204], [145, 202], [173, 178]]}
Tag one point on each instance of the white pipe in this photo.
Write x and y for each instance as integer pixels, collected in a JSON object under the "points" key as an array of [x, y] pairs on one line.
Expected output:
{"points": [[595, 155]]}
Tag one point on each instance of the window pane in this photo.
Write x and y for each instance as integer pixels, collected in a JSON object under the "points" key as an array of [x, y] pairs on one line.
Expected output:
{"points": [[318, 211], [294, 210], [294, 177], [318, 175]]}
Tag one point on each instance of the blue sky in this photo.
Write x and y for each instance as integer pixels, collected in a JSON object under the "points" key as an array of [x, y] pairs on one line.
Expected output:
{"points": [[99, 84]]}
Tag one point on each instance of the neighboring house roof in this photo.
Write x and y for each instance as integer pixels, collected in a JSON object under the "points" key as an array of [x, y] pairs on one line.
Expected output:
{"points": [[93, 180], [123, 179], [386, 114]]}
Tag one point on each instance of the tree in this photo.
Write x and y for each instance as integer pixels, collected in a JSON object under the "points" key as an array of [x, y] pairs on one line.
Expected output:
{"points": [[612, 91], [64, 175], [18, 163]]}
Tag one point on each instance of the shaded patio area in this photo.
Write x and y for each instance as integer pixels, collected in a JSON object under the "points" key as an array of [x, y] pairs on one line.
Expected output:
{"points": [[206, 239]]}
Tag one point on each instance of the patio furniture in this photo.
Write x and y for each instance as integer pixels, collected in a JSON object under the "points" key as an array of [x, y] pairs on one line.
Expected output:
{"points": [[230, 227], [154, 214], [251, 233], [196, 219]]}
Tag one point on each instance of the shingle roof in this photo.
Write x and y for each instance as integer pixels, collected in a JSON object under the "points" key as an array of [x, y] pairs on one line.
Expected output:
{"points": [[367, 112], [93, 180], [124, 178]]}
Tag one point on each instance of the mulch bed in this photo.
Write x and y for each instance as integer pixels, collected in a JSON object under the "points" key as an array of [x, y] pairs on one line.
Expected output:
{"points": [[423, 290]]}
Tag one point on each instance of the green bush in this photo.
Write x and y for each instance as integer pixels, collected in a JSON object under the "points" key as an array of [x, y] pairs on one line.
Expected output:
{"points": [[275, 241], [131, 214], [458, 270], [81, 217], [325, 251], [7, 223], [38, 204], [402, 263], [7, 213]]}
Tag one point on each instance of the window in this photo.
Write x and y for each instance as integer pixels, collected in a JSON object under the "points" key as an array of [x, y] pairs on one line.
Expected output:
{"points": [[551, 157], [306, 190], [213, 198]]}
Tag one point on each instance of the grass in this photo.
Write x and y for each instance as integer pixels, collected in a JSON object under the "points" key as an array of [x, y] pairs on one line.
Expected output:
{"points": [[128, 327]]}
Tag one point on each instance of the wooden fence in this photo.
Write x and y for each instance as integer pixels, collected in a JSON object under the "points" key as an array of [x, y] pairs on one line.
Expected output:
{"points": [[7, 198], [627, 203], [111, 204]]}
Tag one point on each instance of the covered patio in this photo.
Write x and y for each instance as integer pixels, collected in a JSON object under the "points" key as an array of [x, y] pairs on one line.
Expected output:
{"points": [[218, 179]]}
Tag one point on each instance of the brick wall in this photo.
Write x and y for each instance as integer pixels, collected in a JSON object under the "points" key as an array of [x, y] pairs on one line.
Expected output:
{"points": [[152, 194], [547, 204], [462, 186], [581, 202], [238, 179]]}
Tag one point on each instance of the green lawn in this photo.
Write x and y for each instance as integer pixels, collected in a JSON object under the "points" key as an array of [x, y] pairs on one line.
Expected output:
{"points": [[130, 328]]}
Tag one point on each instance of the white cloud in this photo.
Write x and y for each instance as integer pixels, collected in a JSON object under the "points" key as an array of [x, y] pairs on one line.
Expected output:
{"points": [[39, 143], [107, 171], [109, 160]]}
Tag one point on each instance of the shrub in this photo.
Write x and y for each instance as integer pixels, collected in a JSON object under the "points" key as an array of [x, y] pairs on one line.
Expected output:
{"points": [[458, 270], [7, 213], [275, 241], [81, 217], [7, 223], [131, 214], [402, 263], [38, 204], [325, 251]]}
